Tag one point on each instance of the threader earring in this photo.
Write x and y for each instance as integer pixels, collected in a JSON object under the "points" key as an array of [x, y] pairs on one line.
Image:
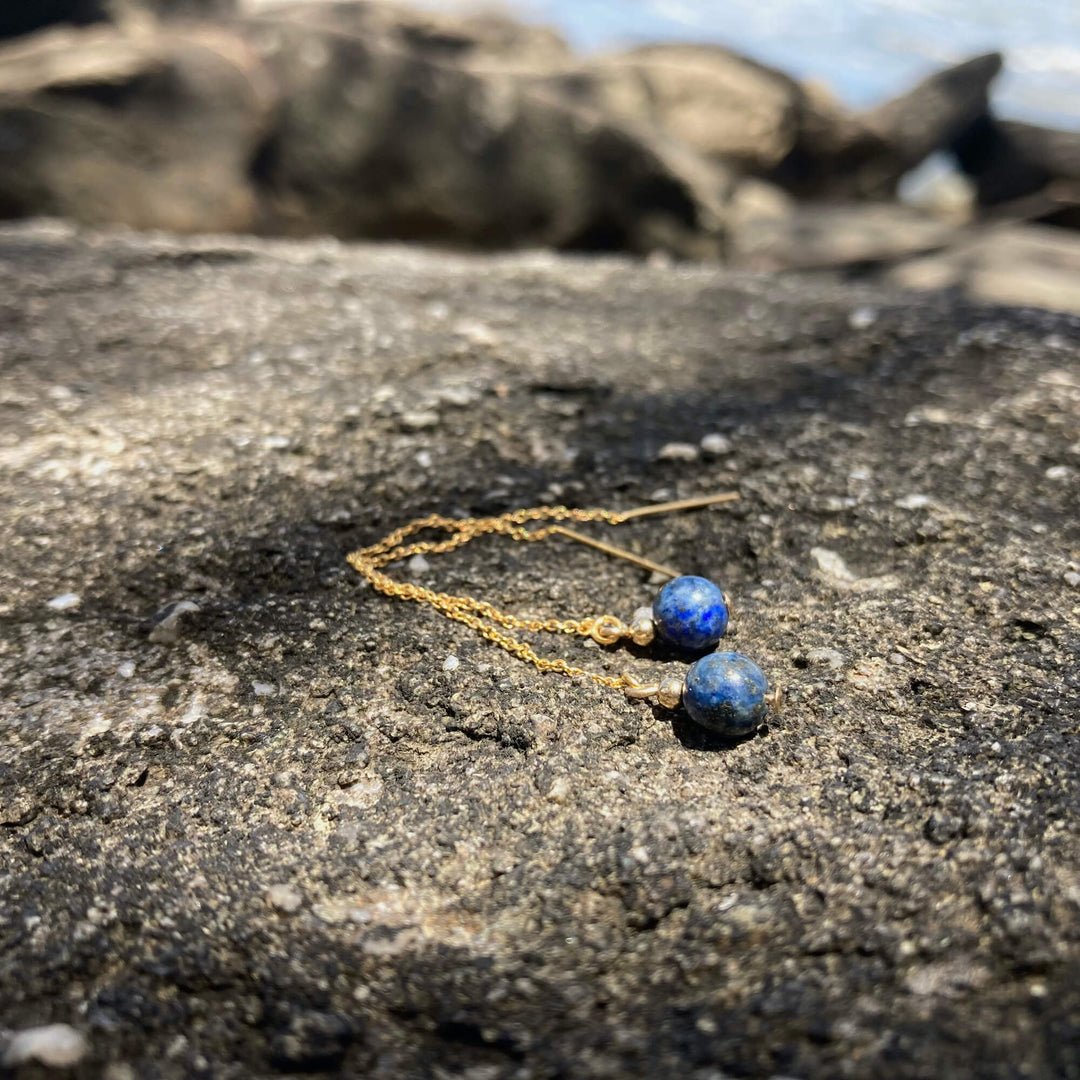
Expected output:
{"points": [[723, 691]]}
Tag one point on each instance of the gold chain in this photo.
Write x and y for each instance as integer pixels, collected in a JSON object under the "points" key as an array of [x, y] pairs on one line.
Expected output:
{"points": [[465, 609], [480, 615]]}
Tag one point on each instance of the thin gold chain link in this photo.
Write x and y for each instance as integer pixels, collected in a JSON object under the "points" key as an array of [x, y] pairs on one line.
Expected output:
{"points": [[471, 612]]}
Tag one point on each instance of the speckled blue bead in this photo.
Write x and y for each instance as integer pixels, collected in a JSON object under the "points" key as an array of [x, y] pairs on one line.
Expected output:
{"points": [[690, 613], [725, 692]]}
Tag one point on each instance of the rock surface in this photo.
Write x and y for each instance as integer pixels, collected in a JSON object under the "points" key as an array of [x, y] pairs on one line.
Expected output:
{"points": [[1008, 264], [1010, 160], [152, 130], [374, 120], [929, 117], [381, 135], [724, 105], [297, 837]]}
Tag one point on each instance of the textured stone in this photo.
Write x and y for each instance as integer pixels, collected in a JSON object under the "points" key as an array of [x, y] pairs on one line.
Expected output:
{"points": [[382, 134], [525, 874], [153, 130]]}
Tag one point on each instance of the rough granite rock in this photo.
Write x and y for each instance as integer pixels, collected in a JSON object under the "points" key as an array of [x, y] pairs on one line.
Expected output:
{"points": [[381, 135], [722, 104], [1015, 264], [931, 116], [1009, 160], [150, 129], [316, 829], [480, 41]]}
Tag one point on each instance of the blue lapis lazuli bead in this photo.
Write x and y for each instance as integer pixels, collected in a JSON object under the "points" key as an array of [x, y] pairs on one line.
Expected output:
{"points": [[725, 692], [690, 613]]}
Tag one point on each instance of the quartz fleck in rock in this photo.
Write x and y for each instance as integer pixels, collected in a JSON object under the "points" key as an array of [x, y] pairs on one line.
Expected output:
{"points": [[65, 602], [914, 501], [861, 318]]}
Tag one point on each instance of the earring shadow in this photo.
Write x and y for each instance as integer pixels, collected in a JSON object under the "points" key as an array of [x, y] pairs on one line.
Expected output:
{"points": [[658, 651], [695, 737]]}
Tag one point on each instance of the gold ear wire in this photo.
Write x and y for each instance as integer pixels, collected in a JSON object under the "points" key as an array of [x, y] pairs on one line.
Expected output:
{"points": [[679, 504], [618, 552], [645, 511]]}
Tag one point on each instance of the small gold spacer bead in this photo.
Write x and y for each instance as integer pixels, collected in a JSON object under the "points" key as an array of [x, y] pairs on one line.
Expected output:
{"points": [[642, 631], [775, 699], [670, 694]]}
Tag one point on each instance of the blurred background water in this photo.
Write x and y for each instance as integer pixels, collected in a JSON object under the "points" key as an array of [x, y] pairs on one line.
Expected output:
{"points": [[866, 50]]}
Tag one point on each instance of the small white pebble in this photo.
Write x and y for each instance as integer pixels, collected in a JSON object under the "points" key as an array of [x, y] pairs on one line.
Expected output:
{"points": [[451, 663], [166, 623], [862, 317], [65, 601], [287, 898], [419, 419], [716, 445], [459, 396], [930, 414], [276, 442], [1058, 472], [423, 459], [832, 565], [913, 502], [56, 1046], [1072, 578], [126, 669], [263, 689], [559, 792], [678, 451], [418, 565], [834, 504], [829, 657]]}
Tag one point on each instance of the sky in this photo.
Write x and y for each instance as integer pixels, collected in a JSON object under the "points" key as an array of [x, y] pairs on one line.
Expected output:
{"points": [[866, 50]]}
